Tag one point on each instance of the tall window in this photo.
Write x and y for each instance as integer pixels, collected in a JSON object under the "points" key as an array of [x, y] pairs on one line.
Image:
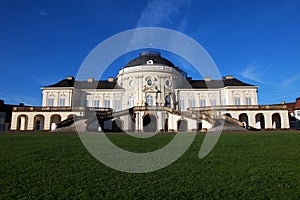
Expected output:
{"points": [[223, 102], [202, 103], [191, 103], [107, 103], [248, 101], [213, 102], [181, 105], [237, 101], [131, 102], [96, 103], [117, 105], [168, 101], [61, 102], [50, 102], [149, 100]]}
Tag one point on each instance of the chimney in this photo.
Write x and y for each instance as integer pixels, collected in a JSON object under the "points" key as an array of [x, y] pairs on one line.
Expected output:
{"points": [[90, 80], [207, 79], [228, 77], [71, 78], [110, 79]]}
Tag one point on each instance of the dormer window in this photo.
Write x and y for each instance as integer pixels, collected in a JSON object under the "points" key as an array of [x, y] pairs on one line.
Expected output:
{"points": [[149, 62]]}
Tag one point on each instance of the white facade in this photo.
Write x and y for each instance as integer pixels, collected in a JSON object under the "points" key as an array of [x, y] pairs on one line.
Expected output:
{"points": [[151, 88]]}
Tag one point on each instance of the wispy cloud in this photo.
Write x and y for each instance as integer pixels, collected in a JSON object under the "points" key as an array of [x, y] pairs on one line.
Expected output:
{"points": [[158, 12], [42, 12], [253, 73], [290, 80]]}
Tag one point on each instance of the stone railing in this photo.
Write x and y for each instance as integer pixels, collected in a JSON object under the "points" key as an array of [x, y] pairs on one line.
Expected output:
{"points": [[241, 107]]}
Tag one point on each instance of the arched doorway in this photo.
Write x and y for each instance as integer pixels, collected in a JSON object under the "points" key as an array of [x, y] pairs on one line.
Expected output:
{"points": [[259, 121], [227, 114], [168, 101], [39, 122], [54, 120], [22, 122], [276, 121], [244, 118], [166, 128], [117, 125], [199, 128], [181, 125], [149, 123]]}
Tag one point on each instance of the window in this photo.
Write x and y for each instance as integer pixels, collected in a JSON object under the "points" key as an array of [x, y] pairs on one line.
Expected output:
{"points": [[96, 103], [131, 102], [202, 103], [168, 101], [191, 103], [149, 100], [248, 101], [168, 83], [50, 102], [117, 104], [223, 102], [61, 102], [237, 101], [107, 103], [181, 105], [87, 103], [213, 102], [149, 82]]}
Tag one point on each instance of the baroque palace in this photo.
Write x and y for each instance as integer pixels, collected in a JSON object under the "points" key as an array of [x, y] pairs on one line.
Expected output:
{"points": [[150, 94]]}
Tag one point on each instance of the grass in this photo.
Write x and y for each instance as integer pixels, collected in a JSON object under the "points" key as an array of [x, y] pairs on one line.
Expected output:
{"points": [[241, 166]]}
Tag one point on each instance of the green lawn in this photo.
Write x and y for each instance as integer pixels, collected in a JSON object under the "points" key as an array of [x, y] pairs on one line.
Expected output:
{"points": [[241, 166]]}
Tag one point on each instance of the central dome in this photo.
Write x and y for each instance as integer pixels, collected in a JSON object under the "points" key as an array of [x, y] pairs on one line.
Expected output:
{"points": [[149, 55]]}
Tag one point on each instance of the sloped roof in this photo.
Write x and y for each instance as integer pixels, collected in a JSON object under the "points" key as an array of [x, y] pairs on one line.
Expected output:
{"points": [[199, 84], [85, 84]]}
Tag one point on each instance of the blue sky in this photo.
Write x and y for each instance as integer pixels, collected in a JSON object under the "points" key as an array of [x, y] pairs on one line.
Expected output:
{"points": [[42, 42]]}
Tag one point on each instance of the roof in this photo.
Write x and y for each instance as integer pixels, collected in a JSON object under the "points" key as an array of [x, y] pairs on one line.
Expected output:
{"points": [[86, 84], [297, 104], [149, 55], [198, 84]]}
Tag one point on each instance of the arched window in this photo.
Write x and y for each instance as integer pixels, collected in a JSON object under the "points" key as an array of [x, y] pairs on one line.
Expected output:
{"points": [[168, 101], [131, 102], [149, 100]]}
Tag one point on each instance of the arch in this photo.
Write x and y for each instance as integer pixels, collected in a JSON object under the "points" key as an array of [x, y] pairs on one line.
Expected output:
{"points": [[276, 121], [244, 118], [168, 101], [260, 121], [54, 120], [166, 127], [22, 122], [182, 125], [38, 122], [70, 116], [200, 126], [149, 123], [117, 125], [227, 114], [149, 100]]}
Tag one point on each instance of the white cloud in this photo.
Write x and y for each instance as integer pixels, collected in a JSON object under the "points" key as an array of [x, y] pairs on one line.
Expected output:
{"points": [[253, 73], [42, 12], [160, 11]]}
